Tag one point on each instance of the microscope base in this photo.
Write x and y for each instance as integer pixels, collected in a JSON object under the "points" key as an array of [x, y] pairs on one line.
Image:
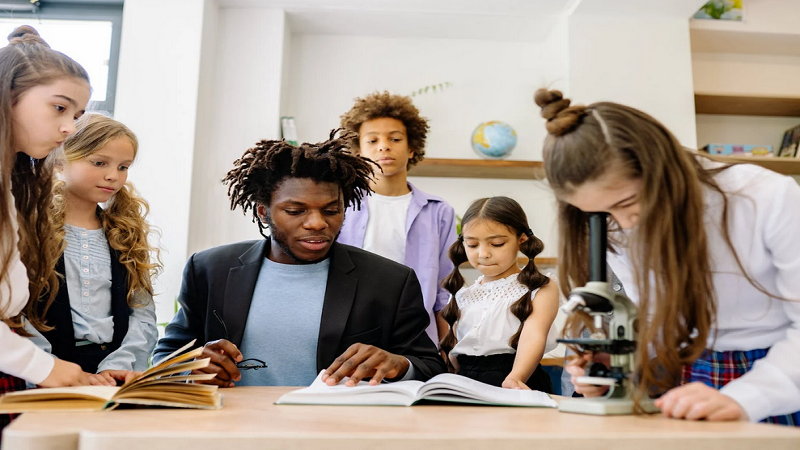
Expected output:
{"points": [[602, 406]]}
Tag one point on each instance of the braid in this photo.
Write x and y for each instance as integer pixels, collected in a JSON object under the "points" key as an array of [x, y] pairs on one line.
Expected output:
{"points": [[257, 174], [453, 283], [531, 278]]}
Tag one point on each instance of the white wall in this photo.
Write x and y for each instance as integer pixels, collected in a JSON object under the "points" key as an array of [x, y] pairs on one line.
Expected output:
{"points": [[640, 61], [241, 106], [491, 80], [161, 107]]}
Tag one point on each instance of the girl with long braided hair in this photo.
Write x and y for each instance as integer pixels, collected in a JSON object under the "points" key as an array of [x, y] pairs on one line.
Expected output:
{"points": [[501, 325]]}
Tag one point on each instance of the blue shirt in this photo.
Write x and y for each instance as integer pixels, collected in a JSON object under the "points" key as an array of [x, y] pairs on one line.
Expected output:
{"points": [[282, 327], [87, 262]]}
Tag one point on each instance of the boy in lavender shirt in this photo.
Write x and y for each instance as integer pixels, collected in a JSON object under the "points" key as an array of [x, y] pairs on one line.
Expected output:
{"points": [[399, 221]]}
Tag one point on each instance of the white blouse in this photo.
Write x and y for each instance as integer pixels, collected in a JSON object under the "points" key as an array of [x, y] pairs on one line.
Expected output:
{"points": [[764, 224], [486, 323], [20, 356]]}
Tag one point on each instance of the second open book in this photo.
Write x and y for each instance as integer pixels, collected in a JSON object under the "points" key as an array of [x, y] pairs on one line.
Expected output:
{"points": [[446, 387], [164, 384]]}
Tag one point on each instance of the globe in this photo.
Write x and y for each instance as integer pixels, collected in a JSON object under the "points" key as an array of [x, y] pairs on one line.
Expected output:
{"points": [[494, 139]]}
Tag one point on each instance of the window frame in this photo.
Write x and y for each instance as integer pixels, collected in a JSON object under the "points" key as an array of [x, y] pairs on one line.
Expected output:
{"points": [[99, 10]]}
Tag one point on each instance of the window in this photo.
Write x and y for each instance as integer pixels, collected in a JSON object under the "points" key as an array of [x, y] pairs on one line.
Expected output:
{"points": [[87, 30]]}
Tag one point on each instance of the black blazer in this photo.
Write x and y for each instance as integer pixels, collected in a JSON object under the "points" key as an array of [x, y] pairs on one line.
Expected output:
{"points": [[368, 299]]}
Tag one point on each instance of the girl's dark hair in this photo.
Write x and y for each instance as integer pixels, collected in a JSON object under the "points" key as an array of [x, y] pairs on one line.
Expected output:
{"points": [[508, 212], [26, 62], [259, 172]]}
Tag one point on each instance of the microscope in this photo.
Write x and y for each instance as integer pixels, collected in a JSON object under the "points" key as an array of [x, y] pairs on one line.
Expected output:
{"points": [[618, 338]]}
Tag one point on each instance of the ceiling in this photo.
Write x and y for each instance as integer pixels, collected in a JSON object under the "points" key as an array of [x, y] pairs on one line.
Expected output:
{"points": [[509, 20], [504, 20]]}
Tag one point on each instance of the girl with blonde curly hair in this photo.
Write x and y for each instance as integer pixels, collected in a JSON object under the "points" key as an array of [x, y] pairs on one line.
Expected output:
{"points": [[104, 316]]}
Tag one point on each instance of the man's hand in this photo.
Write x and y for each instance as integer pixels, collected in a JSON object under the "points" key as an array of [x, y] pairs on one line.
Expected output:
{"points": [[115, 376], [361, 361], [223, 355], [696, 401]]}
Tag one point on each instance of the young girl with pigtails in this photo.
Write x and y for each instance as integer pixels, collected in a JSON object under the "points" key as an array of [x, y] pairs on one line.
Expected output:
{"points": [[500, 326]]}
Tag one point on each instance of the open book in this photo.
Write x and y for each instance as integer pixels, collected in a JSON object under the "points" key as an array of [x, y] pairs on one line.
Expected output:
{"points": [[446, 387], [164, 384]]}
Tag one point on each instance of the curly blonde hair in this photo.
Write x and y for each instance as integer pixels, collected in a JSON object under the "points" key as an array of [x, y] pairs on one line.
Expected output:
{"points": [[383, 104], [123, 219]]}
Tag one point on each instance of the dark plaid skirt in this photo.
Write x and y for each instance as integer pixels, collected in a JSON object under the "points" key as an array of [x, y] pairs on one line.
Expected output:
{"points": [[716, 369], [9, 383]]}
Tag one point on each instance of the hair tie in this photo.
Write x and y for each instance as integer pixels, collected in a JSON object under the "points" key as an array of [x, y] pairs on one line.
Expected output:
{"points": [[528, 233], [460, 238]]}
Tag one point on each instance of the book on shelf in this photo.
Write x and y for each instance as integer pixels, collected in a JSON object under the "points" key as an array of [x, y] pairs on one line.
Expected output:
{"points": [[168, 384], [791, 140], [446, 387]]}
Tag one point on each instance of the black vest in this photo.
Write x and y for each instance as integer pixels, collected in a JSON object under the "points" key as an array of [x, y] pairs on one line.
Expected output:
{"points": [[59, 316]]}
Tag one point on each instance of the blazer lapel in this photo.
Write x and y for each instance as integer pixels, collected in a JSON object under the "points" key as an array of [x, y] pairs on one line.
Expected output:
{"points": [[239, 291], [340, 293]]}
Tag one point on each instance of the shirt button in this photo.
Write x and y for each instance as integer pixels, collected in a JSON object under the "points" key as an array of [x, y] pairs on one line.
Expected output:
{"points": [[86, 282], [85, 270], [475, 348], [83, 234], [85, 257], [85, 245], [85, 294]]}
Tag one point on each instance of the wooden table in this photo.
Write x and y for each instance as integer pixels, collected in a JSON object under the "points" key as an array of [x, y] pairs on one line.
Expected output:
{"points": [[250, 420]]}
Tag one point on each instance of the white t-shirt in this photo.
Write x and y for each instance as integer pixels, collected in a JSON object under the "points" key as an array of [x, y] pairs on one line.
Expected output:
{"points": [[386, 228], [764, 225], [20, 357], [486, 322]]}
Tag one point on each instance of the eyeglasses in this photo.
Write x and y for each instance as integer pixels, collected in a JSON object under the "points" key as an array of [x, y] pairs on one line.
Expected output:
{"points": [[246, 364]]}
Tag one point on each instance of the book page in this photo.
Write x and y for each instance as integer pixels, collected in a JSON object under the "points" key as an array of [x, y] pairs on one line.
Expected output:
{"points": [[103, 393], [400, 393], [456, 388]]}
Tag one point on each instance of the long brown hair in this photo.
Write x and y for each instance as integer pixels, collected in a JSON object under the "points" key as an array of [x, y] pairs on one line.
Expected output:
{"points": [[677, 306], [124, 218], [507, 212], [25, 63]]}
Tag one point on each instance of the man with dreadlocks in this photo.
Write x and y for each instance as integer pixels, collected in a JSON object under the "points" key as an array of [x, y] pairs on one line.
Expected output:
{"points": [[298, 302]]}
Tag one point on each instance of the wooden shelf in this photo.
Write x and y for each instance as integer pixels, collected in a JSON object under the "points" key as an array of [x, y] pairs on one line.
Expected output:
{"points": [[746, 105], [478, 168], [786, 166], [541, 262]]}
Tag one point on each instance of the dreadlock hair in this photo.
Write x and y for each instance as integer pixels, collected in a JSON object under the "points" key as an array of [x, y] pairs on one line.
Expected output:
{"points": [[26, 62], [507, 212], [259, 172], [124, 218]]}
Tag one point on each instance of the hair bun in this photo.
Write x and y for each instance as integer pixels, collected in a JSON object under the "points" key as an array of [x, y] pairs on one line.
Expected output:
{"points": [[561, 117], [25, 34]]}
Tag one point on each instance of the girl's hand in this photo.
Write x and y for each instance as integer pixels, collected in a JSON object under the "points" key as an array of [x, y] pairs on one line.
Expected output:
{"points": [[577, 368], [65, 373], [696, 401], [513, 383], [115, 376]]}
